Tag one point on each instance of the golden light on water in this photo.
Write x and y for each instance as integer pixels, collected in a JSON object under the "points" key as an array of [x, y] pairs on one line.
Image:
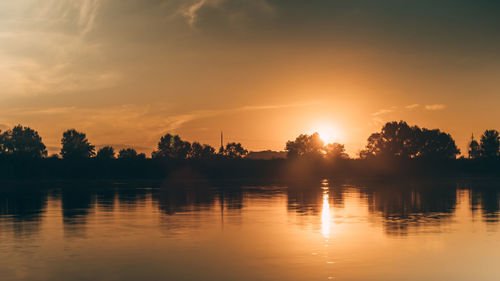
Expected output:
{"points": [[325, 211]]}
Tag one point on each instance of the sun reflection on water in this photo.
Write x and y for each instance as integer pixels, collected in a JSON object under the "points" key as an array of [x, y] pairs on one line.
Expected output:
{"points": [[325, 211]]}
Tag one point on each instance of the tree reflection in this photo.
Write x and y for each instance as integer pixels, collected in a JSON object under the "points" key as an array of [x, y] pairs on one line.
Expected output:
{"points": [[303, 197], [24, 208], [407, 208], [76, 203], [486, 199], [403, 208], [174, 197], [130, 198]]}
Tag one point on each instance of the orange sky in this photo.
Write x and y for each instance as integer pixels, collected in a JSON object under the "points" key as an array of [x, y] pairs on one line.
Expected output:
{"points": [[126, 72]]}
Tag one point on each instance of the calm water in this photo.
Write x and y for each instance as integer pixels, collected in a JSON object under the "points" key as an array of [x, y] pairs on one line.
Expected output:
{"points": [[231, 231]]}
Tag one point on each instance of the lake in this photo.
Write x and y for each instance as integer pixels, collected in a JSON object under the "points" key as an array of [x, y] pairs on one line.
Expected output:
{"points": [[305, 230]]}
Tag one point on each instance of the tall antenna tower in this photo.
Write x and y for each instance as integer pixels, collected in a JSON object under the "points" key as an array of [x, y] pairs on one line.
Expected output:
{"points": [[221, 149], [221, 139]]}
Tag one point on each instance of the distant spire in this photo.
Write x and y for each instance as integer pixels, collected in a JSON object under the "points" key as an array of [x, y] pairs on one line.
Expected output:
{"points": [[474, 148], [221, 139], [221, 149]]}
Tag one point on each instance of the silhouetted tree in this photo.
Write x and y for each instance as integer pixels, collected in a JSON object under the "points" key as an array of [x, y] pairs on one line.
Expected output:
{"points": [[373, 148], [130, 154], [396, 139], [75, 145], [335, 151], [106, 153], [474, 149], [22, 141], [305, 145], [490, 144], [436, 144], [199, 151], [3, 148], [172, 147], [235, 150]]}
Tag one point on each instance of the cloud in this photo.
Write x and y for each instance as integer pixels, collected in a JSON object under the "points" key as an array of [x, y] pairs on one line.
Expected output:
{"points": [[274, 106], [69, 47], [376, 122], [384, 111], [49, 51], [435, 107], [377, 119], [412, 106], [42, 111], [230, 10], [191, 11], [87, 15]]}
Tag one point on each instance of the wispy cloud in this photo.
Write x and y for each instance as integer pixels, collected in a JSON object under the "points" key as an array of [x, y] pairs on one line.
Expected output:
{"points": [[376, 121], [87, 14], [435, 107], [378, 116], [50, 52], [412, 106], [384, 111], [226, 8], [177, 121], [275, 106], [191, 11]]}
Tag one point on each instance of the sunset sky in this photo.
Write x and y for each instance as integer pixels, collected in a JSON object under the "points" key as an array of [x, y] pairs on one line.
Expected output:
{"points": [[263, 71]]}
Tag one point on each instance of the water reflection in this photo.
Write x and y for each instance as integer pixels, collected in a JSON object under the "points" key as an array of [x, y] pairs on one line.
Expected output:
{"points": [[76, 204], [23, 210], [411, 207], [401, 208], [485, 199], [325, 211], [310, 225]]}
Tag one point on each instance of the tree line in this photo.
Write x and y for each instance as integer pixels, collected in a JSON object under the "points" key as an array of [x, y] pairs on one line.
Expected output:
{"points": [[394, 140], [398, 140], [24, 142]]}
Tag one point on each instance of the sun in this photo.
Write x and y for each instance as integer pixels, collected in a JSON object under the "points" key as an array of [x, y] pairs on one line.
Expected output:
{"points": [[327, 133]]}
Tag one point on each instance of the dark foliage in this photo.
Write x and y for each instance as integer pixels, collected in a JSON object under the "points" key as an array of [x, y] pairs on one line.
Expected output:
{"points": [[234, 151], [311, 146], [172, 147], [75, 145], [305, 146], [399, 140], [106, 153], [335, 151], [490, 144], [130, 154], [398, 150], [435, 144], [22, 142], [201, 151]]}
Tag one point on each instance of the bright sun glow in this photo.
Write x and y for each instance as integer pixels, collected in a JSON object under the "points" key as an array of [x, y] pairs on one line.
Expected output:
{"points": [[328, 133]]}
